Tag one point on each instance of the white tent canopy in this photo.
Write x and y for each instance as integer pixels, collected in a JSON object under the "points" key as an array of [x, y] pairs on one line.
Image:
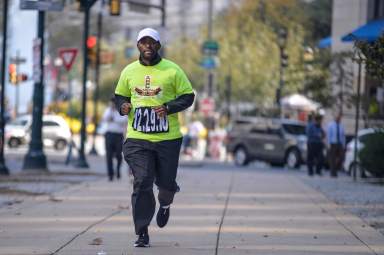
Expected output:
{"points": [[299, 102]]}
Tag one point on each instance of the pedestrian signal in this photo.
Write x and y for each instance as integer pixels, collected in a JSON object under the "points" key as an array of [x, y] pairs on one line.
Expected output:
{"points": [[22, 77], [114, 7]]}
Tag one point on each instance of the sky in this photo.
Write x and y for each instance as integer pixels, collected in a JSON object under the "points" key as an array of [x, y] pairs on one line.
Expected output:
{"points": [[20, 40]]}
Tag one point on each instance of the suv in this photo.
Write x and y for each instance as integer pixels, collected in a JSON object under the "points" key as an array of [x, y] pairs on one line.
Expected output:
{"points": [[55, 131], [276, 141]]}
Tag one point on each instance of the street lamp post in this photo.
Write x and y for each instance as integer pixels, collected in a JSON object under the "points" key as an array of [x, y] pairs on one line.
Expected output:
{"points": [[281, 41], [82, 161], [97, 77], [35, 158], [3, 168]]}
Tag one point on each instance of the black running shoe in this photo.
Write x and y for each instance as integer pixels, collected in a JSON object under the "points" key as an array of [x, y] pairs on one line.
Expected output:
{"points": [[162, 216], [142, 241]]}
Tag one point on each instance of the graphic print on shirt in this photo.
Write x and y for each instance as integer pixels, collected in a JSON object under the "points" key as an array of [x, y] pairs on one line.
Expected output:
{"points": [[147, 91], [145, 119]]}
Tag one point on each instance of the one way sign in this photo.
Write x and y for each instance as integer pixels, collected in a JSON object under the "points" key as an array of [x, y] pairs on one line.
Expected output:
{"points": [[68, 56]]}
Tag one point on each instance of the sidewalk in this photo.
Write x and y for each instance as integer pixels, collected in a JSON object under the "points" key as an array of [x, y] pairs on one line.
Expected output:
{"points": [[267, 212]]}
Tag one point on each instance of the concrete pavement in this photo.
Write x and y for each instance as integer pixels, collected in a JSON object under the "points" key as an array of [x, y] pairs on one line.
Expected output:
{"points": [[222, 211]]}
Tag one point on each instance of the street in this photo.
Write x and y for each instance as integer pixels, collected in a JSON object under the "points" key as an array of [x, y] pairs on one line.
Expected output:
{"points": [[221, 209]]}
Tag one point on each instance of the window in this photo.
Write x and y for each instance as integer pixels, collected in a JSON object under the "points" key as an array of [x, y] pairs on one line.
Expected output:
{"points": [[49, 123], [294, 129], [258, 130], [19, 122], [274, 131]]}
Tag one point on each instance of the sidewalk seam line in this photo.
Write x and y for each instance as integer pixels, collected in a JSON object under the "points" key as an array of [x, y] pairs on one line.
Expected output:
{"points": [[334, 217], [85, 230], [224, 213]]}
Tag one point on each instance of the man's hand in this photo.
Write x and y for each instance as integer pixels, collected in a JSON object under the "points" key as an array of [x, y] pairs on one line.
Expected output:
{"points": [[161, 110], [125, 108]]}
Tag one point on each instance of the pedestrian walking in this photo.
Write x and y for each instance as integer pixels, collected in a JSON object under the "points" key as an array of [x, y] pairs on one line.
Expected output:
{"points": [[336, 144], [151, 91], [115, 128], [315, 144]]}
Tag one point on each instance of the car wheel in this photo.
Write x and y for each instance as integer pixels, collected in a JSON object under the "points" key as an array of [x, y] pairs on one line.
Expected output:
{"points": [[292, 159], [241, 156], [360, 173], [14, 142], [60, 144]]}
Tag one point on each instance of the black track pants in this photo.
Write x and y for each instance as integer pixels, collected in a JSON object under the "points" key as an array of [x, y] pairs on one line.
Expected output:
{"points": [[113, 148], [151, 163]]}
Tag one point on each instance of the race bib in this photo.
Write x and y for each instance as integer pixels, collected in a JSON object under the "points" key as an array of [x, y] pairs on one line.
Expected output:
{"points": [[146, 120]]}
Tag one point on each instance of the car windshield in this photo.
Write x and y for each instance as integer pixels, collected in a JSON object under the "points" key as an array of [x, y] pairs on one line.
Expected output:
{"points": [[294, 129], [19, 122]]}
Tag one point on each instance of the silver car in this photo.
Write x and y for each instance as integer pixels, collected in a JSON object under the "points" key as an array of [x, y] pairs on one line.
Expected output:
{"points": [[56, 132], [276, 141]]}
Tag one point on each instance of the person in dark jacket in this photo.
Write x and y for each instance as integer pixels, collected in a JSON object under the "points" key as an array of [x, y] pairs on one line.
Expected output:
{"points": [[151, 91], [315, 144]]}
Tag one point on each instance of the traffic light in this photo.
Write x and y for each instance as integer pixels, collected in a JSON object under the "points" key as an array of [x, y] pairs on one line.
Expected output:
{"points": [[114, 7], [91, 50], [284, 59], [81, 4], [12, 73]]}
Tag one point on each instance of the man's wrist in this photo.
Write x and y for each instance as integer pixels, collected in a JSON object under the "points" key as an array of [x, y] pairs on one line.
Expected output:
{"points": [[166, 107]]}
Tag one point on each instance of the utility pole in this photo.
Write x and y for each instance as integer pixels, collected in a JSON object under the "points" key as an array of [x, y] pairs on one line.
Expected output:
{"points": [[35, 158], [3, 168], [97, 76], [228, 92], [210, 72], [163, 13], [163, 17], [282, 42], [357, 105]]}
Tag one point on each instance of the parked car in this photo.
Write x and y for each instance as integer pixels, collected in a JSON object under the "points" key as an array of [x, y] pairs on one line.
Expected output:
{"points": [[350, 164], [55, 133], [276, 141]]}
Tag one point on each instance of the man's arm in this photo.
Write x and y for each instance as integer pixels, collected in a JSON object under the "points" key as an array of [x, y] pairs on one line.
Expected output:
{"points": [[180, 103], [120, 101]]}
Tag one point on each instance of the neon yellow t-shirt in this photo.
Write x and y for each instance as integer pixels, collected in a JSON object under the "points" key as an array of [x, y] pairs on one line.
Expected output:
{"points": [[150, 86]]}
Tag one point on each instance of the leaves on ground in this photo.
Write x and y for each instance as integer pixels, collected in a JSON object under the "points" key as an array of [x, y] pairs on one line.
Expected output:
{"points": [[96, 241], [54, 199]]}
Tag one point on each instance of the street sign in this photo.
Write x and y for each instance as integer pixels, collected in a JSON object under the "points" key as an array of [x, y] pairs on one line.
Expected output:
{"points": [[210, 47], [68, 56], [36, 60], [42, 5], [207, 106], [18, 60], [129, 51], [208, 62]]}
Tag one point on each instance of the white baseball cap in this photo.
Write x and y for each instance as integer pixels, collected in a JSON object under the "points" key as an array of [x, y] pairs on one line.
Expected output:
{"points": [[149, 32]]}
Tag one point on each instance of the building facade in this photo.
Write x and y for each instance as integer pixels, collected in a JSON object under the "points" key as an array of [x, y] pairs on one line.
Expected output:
{"points": [[347, 15]]}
